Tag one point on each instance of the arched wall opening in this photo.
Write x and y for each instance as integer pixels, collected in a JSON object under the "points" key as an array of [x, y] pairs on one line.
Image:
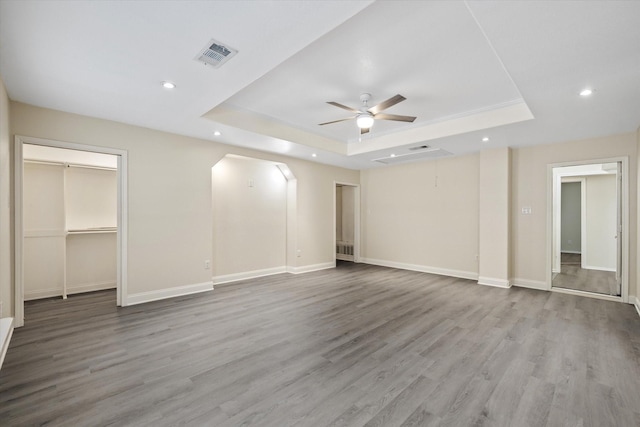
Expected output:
{"points": [[253, 217]]}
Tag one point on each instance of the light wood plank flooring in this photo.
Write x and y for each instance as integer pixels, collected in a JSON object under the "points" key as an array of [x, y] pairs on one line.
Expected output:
{"points": [[352, 346]]}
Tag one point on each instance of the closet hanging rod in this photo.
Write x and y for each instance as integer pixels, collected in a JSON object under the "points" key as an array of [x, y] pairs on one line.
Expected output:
{"points": [[72, 165]]}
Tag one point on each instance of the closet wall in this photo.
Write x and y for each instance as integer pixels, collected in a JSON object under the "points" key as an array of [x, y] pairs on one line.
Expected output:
{"points": [[70, 220]]}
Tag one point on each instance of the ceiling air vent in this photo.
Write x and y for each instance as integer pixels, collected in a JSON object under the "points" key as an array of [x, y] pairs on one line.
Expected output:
{"points": [[419, 147], [215, 54]]}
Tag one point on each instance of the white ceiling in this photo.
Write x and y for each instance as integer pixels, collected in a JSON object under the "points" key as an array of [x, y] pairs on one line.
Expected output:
{"points": [[507, 70]]}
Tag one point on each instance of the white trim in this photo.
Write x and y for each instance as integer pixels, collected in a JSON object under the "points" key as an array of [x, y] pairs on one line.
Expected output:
{"points": [[227, 278], [530, 284], [586, 294], [624, 160], [77, 289], [18, 233], [583, 221], [571, 252], [591, 267], [636, 303], [497, 283], [19, 140], [178, 291], [310, 268], [91, 287], [48, 293], [6, 332], [343, 257], [422, 268]]}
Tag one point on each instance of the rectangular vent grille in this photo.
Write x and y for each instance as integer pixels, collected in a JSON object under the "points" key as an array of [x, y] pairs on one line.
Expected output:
{"points": [[215, 54], [429, 153]]}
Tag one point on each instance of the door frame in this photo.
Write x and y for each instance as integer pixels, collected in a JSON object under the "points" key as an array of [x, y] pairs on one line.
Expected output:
{"points": [[356, 219], [121, 276], [624, 203]]}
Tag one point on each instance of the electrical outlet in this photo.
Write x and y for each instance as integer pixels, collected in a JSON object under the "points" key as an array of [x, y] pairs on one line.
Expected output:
{"points": [[207, 265], [299, 253]]}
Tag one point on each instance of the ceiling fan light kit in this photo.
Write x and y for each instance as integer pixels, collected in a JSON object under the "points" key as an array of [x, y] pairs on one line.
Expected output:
{"points": [[364, 120], [365, 116]]}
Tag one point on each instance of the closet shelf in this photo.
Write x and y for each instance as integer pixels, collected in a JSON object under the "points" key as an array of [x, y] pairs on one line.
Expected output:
{"points": [[97, 230]]}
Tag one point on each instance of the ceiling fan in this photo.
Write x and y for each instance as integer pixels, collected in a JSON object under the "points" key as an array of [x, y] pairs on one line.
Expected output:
{"points": [[366, 116]]}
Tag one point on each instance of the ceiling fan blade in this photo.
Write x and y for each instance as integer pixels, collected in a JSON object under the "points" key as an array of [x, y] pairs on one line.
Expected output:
{"points": [[386, 104], [344, 107], [336, 121], [364, 130], [395, 117]]}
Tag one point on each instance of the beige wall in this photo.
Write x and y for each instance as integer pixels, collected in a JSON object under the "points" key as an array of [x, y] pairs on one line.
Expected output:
{"points": [[249, 216], [408, 221], [529, 172], [423, 214], [169, 185], [44, 230], [6, 256], [91, 197], [316, 189], [494, 217]]}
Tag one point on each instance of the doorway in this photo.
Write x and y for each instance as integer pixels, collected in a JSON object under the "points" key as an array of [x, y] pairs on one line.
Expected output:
{"points": [[74, 172], [254, 206], [347, 222], [589, 229]]}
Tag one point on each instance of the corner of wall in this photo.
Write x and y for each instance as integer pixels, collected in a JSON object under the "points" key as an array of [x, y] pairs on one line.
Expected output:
{"points": [[6, 235], [6, 331]]}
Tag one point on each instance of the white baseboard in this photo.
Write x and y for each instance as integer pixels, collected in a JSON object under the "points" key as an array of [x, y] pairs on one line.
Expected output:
{"points": [[78, 289], [344, 257], [587, 294], [422, 268], [6, 331], [636, 303], [90, 287], [591, 267], [31, 295], [531, 284], [497, 283], [310, 268], [178, 291], [227, 278], [571, 252]]}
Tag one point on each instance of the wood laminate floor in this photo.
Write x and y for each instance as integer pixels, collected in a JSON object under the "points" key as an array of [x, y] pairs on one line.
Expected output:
{"points": [[353, 346], [573, 276]]}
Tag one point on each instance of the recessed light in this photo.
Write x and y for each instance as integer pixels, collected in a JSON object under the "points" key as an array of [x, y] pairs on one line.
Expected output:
{"points": [[586, 92], [217, 133], [168, 85], [485, 139], [314, 155], [392, 155]]}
